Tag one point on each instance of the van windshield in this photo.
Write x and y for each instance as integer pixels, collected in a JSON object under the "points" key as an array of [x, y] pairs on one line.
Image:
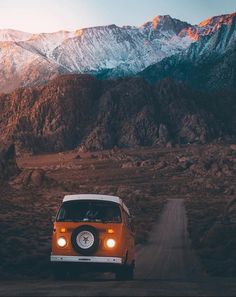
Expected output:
{"points": [[89, 211]]}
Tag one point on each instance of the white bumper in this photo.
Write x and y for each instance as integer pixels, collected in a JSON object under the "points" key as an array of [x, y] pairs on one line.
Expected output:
{"points": [[77, 259]]}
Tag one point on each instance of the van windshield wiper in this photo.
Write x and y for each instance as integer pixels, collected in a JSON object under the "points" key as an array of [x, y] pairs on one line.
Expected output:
{"points": [[81, 220], [86, 220], [93, 220], [69, 220]]}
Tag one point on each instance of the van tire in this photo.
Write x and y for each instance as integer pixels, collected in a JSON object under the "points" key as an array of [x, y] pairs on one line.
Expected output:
{"points": [[59, 275], [94, 247], [126, 273]]}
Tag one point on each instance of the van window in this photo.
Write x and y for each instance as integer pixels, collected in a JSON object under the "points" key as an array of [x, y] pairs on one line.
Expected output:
{"points": [[89, 211]]}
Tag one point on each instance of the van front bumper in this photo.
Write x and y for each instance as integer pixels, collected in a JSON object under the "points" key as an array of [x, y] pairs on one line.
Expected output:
{"points": [[82, 259]]}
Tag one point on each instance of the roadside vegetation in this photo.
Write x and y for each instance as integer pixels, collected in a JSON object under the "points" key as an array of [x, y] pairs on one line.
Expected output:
{"points": [[213, 232], [212, 211]]}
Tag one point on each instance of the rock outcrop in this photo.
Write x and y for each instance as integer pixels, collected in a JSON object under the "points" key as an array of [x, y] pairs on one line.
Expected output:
{"points": [[53, 117], [8, 166], [127, 117]]}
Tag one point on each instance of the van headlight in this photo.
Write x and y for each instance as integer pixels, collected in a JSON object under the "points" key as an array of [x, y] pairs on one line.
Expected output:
{"points": [[110, 243], [61, 242]]}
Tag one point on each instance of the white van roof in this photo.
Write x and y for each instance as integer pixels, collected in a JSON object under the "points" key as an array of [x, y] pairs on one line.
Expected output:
{"points": [[97, 197]]}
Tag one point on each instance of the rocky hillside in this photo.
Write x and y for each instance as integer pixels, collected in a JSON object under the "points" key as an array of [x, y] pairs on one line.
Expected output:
{"points": [[52, 117], [79, 110], [109, 51]]}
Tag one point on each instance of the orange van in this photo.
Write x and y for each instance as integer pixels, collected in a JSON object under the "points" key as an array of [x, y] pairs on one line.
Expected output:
{"points": [[93, 233]]}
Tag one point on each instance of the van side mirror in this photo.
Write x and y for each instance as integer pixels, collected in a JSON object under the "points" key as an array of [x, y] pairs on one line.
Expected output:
{"points": [[53, 219]]}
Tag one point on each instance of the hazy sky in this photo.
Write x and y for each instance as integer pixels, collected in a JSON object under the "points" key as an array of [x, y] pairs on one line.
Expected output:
{"points": [[54, 15]]}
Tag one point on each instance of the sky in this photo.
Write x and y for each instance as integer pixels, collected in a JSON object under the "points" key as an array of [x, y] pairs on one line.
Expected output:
{"points": [[54, 15]]}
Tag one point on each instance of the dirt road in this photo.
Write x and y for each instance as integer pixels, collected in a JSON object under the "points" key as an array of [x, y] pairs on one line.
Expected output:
{"points": [[166, 266], [168, 254]]}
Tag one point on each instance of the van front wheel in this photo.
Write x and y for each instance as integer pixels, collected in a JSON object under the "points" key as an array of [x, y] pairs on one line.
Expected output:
{"points": [[126, 273], [59, 275]]}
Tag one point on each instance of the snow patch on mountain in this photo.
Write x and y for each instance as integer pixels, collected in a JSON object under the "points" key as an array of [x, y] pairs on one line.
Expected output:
{"points": [[27, 58]]}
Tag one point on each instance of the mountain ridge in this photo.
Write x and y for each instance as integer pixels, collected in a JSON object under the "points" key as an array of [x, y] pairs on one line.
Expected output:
{"points": [[116, 51], [222, 19]]}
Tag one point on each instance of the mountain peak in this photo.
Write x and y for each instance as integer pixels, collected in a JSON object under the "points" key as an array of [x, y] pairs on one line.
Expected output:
{"points": [[163, 23], [13, 35], [161, 19], [225, 19]]}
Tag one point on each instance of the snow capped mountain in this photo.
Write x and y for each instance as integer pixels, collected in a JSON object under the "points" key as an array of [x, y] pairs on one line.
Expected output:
{"points": [[110, 47], [28, 59], [209, 63]]}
